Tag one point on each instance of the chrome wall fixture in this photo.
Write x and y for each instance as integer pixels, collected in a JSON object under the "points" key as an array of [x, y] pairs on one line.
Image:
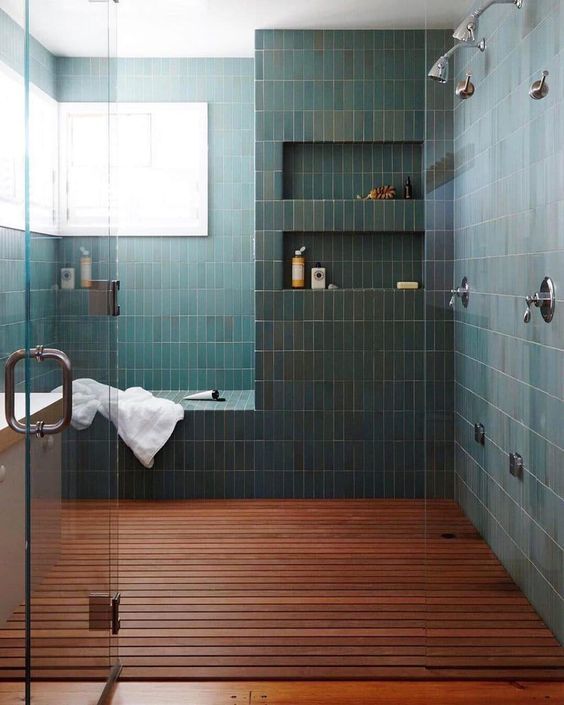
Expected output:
{"points": [[539, 89], [465, 89], [465, 34], [545, 299], [463, 293], [439, 70], [468, 28]]}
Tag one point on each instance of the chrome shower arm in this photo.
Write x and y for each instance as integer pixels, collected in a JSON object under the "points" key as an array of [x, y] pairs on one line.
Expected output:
{"points": [[467, 29], [480, 9], [481, 45]]}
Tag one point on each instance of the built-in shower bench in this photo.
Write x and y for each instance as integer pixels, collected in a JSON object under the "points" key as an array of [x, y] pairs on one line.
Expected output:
{"points": [[235, 400]]}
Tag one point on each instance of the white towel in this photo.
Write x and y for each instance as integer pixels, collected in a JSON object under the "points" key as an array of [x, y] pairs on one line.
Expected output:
{"points": [[144, 422]]}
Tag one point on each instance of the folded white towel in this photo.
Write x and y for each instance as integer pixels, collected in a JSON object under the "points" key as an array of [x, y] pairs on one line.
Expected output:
{"points": [[144, 422]]}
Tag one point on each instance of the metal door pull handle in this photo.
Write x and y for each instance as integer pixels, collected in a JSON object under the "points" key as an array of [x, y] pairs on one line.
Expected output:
{"points": [[40, 354]]}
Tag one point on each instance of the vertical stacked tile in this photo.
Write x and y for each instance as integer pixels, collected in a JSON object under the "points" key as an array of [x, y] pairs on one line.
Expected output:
{"points": [[439, 188], [188, 319], [509, 214], [340, 374]]}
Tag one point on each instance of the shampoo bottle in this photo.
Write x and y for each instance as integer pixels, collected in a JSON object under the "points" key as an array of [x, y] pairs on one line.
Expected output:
{"points": [[298, 269], [408, 189], [85, 269]]}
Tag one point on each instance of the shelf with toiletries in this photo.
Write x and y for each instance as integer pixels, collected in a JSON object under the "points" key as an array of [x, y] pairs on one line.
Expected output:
{"points": [[330, 215], [352, 260], [395, 289]]}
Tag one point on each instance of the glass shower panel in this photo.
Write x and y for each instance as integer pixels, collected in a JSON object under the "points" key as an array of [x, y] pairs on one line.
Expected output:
{"points": [[72, 252], [12, 337]]}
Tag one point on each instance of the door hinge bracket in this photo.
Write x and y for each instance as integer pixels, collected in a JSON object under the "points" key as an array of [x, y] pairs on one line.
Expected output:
{"points": [[104, 611], [116, 622]]}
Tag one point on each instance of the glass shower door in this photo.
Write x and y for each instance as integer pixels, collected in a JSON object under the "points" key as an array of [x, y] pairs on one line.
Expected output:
{"points": [[63, 242]]}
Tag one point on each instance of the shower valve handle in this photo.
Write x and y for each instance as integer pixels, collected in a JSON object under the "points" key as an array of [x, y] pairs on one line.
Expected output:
{"points": [[545, 299], [463, 293]]}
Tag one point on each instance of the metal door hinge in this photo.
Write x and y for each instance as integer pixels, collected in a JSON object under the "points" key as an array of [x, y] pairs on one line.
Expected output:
{"points": [[104, 611], [116, 622], [103, 297]]}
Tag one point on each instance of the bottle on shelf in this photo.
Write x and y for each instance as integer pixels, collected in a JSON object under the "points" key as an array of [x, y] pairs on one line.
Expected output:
{"points": [[85, 269], [408, 189], [298, 269]]}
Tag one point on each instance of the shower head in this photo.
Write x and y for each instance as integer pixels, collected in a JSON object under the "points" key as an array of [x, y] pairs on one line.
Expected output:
{"points": [[439, 70], [468, 28]]}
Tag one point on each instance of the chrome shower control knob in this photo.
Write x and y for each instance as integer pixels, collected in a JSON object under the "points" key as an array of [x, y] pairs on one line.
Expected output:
{"points": [[545, 300], [539, 89], [463, 293]]}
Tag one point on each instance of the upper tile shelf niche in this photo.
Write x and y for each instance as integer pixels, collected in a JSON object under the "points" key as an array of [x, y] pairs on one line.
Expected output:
{"points": [[340, 171]]}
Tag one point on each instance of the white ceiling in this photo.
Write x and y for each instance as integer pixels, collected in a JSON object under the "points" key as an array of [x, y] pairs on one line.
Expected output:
{"points": [[212, 27]]}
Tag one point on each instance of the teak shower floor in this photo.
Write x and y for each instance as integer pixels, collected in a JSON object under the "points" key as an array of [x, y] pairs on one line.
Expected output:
{"points": [[284, 590]]}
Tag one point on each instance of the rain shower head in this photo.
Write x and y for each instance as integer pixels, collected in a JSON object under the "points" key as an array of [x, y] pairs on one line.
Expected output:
{"points": [[468, 28], [439, 70]]}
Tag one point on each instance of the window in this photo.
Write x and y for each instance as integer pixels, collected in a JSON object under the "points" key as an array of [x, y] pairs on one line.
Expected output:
{"points": [[43, 130], [154, 170]]}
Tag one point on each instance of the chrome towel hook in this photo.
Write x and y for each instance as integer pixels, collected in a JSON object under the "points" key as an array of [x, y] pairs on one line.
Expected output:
{"points": [[539, 89]]}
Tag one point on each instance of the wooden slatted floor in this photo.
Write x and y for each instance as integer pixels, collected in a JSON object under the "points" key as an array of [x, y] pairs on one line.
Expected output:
{"points": [[285, 590]]}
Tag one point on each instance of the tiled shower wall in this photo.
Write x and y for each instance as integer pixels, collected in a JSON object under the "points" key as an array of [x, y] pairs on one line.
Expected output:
{"points": [[340, 379], [43, 303], [509, 218], [188, 316], [438, 268], [355, 356]]}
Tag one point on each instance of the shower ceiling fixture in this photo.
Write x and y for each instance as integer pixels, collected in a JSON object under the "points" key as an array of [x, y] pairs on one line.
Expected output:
{"points": [[439, 70], [468, 28]]}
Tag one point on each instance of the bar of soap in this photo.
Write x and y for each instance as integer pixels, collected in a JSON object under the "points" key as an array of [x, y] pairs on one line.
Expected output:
{"points": [[407, 285]]}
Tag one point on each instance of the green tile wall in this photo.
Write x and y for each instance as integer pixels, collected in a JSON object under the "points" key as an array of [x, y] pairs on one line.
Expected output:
{"points": [[188, 317], [355, 357], [43, 302], [509, 216], [42, 65], [438, 277]]}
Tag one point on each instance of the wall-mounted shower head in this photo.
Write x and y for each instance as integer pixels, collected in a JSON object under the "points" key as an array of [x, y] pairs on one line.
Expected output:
{"points": [[439, 70], [468, 28]]}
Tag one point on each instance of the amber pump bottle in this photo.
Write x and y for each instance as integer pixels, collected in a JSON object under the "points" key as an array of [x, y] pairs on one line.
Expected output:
{"points": [[298, 269]]}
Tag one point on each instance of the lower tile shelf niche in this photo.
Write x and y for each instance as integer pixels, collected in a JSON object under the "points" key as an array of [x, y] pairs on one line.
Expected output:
{"points": [[357, 260]]}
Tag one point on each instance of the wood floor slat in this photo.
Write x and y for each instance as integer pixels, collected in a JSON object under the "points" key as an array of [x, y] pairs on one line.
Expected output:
{"points": [[283, 589]]}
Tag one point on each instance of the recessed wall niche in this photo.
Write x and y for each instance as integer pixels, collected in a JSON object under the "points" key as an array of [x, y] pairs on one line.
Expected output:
{"points": [[358, 260], [343, 170]]}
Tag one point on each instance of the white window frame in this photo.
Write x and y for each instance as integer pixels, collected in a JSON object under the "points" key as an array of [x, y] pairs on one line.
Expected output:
{"points": [[164, 229]]}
